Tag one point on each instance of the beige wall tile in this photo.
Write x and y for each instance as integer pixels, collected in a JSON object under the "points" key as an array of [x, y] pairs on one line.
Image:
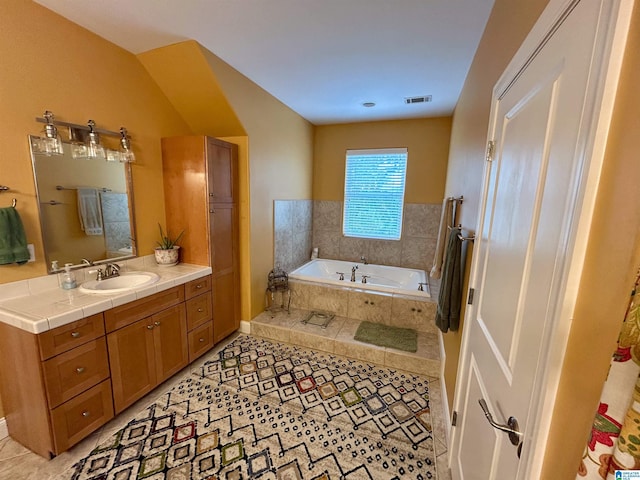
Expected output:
{"points": [[334, 300]]}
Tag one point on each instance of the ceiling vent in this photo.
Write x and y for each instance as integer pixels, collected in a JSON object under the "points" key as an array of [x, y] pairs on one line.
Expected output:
{"points": [[422, 99]]}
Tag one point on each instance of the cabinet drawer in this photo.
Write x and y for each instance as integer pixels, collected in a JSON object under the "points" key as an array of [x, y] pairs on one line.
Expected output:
{"points": [[196, 287], [61, 339], [199, 310], [74, 420], [73, 372], [124, 315], [200, 340]]}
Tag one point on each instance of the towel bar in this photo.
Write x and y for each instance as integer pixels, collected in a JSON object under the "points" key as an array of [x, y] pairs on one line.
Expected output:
{"points": [[460, 236]]}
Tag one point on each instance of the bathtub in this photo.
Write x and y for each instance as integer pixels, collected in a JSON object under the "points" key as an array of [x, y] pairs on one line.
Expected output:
{"points": [[381, 278]]}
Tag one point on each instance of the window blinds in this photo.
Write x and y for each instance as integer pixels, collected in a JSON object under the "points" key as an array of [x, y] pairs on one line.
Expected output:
{"points": [[374, 193]]}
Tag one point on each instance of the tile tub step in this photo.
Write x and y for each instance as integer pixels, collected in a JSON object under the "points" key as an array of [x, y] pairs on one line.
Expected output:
{"points": [[337, 338]]}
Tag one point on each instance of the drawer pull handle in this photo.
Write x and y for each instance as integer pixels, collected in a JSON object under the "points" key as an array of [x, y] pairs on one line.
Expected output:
{"points": [[200, 310], [201, 340], [79, 369], [86, 413], [157, 324], [199, 286], [149, 327], [75, 334]]}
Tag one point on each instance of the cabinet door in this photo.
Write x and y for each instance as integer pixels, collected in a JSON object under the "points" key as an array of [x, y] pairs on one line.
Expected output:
{"points": [[170, 341], [225, 306], [132, 361], [223, 236], [221, 166]]}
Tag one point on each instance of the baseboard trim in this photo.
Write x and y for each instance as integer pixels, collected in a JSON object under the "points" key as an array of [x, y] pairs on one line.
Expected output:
{"points": [[245, 327], [4, 432]]}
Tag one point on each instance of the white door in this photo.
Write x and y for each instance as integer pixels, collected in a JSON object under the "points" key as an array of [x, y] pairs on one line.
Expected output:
{"points": [[544, 119]]}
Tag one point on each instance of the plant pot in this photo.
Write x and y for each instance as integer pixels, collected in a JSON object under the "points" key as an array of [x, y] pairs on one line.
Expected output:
{"points": [[167, 258]]}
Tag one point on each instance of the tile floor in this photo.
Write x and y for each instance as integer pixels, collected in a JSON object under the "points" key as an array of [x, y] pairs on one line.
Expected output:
{"points": [[18, 463]]}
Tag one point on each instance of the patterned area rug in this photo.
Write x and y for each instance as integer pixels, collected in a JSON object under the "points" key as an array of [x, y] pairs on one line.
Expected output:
{"points": [[273, 411]]}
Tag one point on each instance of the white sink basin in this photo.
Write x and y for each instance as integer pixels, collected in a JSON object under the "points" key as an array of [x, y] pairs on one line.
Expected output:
{"points": [[123, 283]]}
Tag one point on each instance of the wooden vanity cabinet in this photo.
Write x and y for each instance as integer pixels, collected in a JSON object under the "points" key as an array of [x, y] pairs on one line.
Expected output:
{"points": [[148, 346], [201, 197], [55, 386]]}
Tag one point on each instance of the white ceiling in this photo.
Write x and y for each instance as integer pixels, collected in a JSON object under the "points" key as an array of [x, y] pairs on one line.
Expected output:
{"points": [[322, 58]]}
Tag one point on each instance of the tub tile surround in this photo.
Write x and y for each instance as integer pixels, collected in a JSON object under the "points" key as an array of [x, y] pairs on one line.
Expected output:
{"points": [[300, 225], [292, 227], [39, 304], [390, 309]]}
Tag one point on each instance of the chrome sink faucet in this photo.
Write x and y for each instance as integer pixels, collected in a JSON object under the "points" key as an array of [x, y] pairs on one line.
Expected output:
{"points": [[353, 273], [112, 270]]}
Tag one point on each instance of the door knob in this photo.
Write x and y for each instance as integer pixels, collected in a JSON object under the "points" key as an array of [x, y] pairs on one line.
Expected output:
{"points": [[511, 428]]}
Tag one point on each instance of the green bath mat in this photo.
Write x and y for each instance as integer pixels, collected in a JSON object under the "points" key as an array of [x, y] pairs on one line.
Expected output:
{"points": [[385, 336]]}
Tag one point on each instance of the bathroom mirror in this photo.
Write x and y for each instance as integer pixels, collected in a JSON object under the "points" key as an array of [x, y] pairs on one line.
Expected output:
{"points": [[86, 208]]}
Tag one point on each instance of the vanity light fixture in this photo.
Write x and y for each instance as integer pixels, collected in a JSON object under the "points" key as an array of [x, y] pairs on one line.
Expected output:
{"points": [[126, 154], [84, 141], [94, 147]]}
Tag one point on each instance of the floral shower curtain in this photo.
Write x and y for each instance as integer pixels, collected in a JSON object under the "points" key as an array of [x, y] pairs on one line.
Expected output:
{"points": [[614, 443]]}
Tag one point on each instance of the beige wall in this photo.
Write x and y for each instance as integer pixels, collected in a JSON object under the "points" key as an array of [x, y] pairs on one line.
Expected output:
{"points": [[506, 28], [51, 63], [427, 141], [280, 163], [613, 253]]}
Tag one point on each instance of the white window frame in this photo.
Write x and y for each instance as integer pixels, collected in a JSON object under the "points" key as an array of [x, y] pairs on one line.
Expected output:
{"points": [[356, 203]]}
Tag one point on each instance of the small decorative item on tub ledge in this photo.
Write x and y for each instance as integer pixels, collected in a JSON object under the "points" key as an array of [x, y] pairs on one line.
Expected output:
{"points": [[167, 252]]}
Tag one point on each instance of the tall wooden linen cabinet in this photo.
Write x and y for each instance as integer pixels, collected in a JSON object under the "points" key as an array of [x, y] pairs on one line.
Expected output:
{"points": [[201, 198]]}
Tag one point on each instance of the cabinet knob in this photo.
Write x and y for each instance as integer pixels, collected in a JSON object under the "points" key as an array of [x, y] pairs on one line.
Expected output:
{"points": [[75, 334], [80, 369], [157, 324], [149, 327], [212, 194], [212, 211], [200, 310], [201, 340], [86, 413], [199, 286]]}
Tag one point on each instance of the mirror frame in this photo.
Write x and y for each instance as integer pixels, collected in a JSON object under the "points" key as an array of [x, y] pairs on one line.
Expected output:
{"points": [[130, 204]]}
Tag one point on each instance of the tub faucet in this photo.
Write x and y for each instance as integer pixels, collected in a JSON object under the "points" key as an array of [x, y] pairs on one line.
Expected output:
{"points": [[363, 259], [353, 273]]}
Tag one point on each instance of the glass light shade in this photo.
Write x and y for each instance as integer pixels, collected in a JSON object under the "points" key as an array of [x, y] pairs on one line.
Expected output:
{"points": [[126, 154], [79, 150], [113, 155], [94, 148], [52, 143]]}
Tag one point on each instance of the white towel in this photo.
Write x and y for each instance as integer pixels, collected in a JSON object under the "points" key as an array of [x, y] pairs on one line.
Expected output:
{"points": [[89, 211], [446, 220]]}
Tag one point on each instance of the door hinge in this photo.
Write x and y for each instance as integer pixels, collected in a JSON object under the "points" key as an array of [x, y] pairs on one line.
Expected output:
{"points": [[470, 297], [490, 149], [454, 418]]}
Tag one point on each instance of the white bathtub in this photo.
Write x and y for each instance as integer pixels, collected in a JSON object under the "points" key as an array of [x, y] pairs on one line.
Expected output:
{"points": [[381, 278]]}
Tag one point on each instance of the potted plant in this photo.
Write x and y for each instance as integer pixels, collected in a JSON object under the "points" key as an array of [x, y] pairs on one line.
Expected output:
{"points": [[167, 252]]}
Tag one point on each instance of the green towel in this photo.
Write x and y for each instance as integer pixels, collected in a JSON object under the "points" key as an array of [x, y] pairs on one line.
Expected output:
{"points": [[13, 241], [450, 297]]}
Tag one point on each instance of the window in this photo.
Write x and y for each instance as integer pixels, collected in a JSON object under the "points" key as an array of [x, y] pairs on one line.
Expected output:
{"points": [[374, 193]]}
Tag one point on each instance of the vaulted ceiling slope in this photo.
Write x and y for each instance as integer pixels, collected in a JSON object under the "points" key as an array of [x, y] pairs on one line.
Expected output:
{"points": [[322, 58]]}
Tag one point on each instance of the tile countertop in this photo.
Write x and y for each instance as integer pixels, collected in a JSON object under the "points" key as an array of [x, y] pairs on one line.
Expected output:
{"points": [[39, 304]]}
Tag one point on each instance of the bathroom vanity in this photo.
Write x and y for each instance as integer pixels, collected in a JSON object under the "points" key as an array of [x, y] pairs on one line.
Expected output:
{"points": [[65, 375]]}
